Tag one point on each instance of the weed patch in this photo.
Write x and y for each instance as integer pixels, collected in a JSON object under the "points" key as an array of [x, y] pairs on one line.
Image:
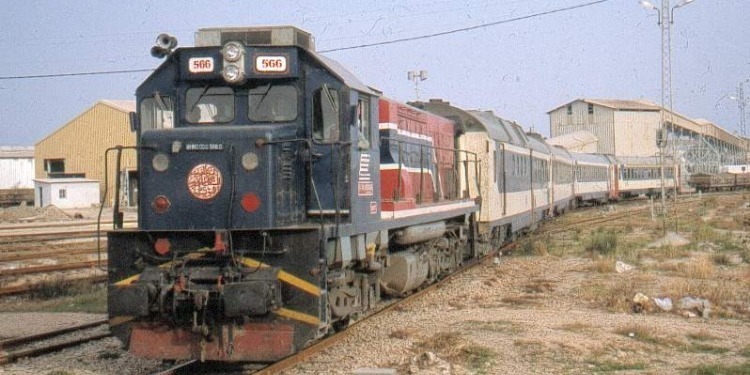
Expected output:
{"points": [[719, 369], [602, 241]]}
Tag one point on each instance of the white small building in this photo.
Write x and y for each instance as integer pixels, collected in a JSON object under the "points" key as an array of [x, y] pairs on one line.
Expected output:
{"points": [[66, 192], [17, 166]]}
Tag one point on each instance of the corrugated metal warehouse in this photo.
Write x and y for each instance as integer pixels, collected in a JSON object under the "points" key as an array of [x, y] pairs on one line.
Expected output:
{"points": [[17, 166], [631, 127], [17, 177], [77, 149]]}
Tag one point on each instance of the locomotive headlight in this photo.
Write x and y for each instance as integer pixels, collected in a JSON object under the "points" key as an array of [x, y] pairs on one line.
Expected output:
{"points": [[250, 161], [233, 73], [232, 51], [160, 162]]}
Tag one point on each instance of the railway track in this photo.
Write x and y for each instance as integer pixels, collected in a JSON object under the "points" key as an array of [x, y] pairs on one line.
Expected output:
{"points": [[53, 232], [389, 306], [51, 268], [67, 244], [591, 221], [38, 344], [26, 288], [35, 255]]}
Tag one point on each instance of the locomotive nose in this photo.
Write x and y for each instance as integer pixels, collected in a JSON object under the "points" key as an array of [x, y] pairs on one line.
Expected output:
{"points": [[238, 180]]}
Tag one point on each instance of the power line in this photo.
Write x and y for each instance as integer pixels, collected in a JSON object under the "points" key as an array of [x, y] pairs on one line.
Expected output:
{"points": [[427, 36], [393, 41], [77, 74]]}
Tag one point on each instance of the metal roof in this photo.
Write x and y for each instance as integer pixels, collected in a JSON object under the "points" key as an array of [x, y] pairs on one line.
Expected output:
{"points": [[64, 180], [617, 104], [574, 140], [590, 158], [345, 75], [16, 152], [538, 144], [122, 105]]}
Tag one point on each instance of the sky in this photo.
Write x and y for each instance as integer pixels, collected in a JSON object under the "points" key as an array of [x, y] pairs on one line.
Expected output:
{"points": [[519, 58]]}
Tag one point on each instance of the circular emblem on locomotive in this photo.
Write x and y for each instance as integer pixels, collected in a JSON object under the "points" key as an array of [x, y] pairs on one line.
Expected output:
{"points": [[204, 181]]}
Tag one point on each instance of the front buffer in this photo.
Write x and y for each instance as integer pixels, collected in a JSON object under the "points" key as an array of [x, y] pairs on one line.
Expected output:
{"points": [[186, 295]]}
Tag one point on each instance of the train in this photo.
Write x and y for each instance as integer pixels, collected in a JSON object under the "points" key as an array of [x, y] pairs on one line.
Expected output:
{"points": [[729, 180], [282, 198], [16, 196]]}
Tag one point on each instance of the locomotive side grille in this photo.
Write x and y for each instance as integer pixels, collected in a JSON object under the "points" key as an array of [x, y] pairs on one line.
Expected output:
{"points": [[288, 209], [287, 162]]}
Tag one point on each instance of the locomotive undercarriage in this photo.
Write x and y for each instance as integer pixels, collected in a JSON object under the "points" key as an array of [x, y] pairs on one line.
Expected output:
{"points": [[213, 303], [412, 265]]}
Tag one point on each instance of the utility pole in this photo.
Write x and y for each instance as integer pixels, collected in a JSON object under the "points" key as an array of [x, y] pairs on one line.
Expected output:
{"points": [[666, 19]]}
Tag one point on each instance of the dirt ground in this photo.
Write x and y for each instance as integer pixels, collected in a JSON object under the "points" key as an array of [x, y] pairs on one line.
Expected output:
{"points": [[561, 304], [585, 299], [51, 213]]}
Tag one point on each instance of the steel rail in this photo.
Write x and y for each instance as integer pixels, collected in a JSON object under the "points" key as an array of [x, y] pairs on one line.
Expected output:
{"points": [[51, 268], [13, 257], [20, 289], [325, 343], [10, 356]]}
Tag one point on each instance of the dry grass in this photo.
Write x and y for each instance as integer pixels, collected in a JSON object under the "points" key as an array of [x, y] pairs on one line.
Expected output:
{"points": [[701, 267], [702, 336], [522, 301], [536, 247], [502, 326], [577, 327], [664, 253], [402, 333], [531, 347], [601, 264], [452, 346], [646, 335], [615, 293]]}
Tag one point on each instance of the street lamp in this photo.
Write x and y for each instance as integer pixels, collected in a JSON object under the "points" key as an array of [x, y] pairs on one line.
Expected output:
{"points": [[417, 76], [666, 18]]}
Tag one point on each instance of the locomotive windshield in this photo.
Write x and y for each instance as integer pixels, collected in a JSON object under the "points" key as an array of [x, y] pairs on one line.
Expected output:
{"points": [[210, 105], [272, 103]]}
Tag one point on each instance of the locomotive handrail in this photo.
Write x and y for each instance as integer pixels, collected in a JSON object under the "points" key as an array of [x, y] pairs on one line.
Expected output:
{"points": [[116, 215], [456, 152]]}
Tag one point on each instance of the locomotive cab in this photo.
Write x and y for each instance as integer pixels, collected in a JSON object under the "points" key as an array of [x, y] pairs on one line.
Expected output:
{"points": [[272, 125]]}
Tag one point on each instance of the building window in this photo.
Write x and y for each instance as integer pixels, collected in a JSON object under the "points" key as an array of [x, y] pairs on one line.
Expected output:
{"points": [[62, 193], [54, 165], [570, 109], [591, 109]]}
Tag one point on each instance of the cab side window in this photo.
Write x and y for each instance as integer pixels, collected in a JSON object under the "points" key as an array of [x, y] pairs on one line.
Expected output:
{"points": [[363, 123], [325, 125], [157, 113]]}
